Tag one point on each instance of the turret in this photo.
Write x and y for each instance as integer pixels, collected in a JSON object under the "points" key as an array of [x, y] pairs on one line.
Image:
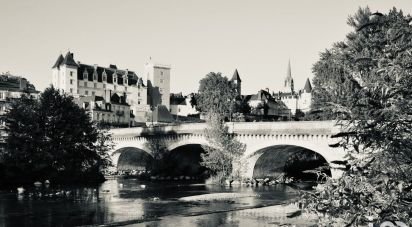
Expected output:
{"points": [[237, 82]]}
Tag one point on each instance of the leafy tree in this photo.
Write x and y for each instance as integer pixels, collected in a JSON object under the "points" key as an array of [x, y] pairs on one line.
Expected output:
{"points": [[216, 94], [53, 138], [370, 95], [159, 153], [224, 151]]}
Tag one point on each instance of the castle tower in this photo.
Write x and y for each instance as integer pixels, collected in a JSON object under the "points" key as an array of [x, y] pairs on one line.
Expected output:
{"points": [[305, 99], [289, 87], [65, 74], [158, 82], [237, 82]]}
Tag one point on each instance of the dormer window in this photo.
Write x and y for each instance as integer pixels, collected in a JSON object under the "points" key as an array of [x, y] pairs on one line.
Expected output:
{"points": [[85, 75], [114, 78], [95, 75], [125, 82], [104, 76]]}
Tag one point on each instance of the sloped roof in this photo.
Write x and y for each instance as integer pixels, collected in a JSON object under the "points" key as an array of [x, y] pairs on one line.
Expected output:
{"points": [[236, 76], [162, 114], [110, 72], [58, 61], [308, 86], [69, 60]]}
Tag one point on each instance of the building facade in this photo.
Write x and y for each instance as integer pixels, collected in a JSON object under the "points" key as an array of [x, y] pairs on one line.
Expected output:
{"points": [[112, 95], [12, 87], [181, 105]]}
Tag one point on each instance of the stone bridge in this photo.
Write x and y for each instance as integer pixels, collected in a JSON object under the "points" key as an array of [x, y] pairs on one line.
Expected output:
{"points": [[280, 139]]}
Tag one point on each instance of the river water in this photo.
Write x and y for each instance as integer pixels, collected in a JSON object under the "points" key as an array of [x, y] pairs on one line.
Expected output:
{"points": [[133, 203]]}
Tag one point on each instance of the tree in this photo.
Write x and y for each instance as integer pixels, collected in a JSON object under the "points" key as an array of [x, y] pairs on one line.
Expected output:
{"points": [[159, 153], [53, 138], [216, 95], [370, 96], [223, 152]]}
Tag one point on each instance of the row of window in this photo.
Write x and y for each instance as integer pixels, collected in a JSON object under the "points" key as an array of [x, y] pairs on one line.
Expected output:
{"points": [[86, 77]]}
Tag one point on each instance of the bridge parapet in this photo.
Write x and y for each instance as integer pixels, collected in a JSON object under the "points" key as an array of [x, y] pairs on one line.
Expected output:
{"points": [[240, 128]]}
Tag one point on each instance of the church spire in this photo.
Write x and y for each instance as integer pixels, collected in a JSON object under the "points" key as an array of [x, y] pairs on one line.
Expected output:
{"points": [[289, 72], [289, 79]]}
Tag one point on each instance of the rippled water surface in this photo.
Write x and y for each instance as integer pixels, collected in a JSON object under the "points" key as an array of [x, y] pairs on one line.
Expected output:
{"points": [[132, 202]]}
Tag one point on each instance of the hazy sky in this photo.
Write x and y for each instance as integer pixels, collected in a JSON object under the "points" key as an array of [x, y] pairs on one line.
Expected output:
{"points": [[194, 37]]}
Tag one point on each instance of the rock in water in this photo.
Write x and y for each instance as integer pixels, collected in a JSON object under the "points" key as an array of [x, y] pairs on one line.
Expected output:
{"points": [[20, 190]]}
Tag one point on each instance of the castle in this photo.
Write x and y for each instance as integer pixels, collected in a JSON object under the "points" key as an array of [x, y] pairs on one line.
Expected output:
{"points": [[112, 95]]}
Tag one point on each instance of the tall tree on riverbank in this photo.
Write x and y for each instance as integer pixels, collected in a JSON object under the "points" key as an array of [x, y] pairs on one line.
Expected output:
{"points": [[224, 152], [365, 83], [52, 138], [216, 95]]}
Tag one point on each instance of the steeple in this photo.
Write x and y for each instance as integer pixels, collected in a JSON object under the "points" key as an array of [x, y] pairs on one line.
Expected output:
{"points": [[289, 71], [236, 76], [289, 79], [236, 82]]}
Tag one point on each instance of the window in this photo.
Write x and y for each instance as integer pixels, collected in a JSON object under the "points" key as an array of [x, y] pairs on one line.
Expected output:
{"points": [[138, 94], [86, 92], [94, 76], [71, 81], [138, 102], [71, 90], [161, 80], [95, 85], [104, 85], [115, 87], [125, 88], [161, 73], [85, 76], [160, 90], [93, 93], [71, 73], [85, 83]]}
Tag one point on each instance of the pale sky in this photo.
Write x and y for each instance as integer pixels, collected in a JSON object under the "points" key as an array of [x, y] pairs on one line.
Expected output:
{"points": [[194, 37]]}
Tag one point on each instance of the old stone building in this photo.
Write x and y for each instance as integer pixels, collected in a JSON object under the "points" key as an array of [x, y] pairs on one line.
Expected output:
{"points": [[113, 95]]}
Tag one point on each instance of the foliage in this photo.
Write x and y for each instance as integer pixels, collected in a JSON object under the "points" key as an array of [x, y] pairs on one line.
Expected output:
{"points": [[216, 94], [368, 91], [241, 106], [52, 137], [159, 152], [223, 154]]}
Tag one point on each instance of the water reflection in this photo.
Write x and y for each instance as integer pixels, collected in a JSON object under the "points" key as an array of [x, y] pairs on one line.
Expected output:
{"points": [[130, 201]]}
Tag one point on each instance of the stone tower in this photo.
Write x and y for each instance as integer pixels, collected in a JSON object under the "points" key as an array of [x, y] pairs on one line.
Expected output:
{"points": [[65, 74], [158, 82]]}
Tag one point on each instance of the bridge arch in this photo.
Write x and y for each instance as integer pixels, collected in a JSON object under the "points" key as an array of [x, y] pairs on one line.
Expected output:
{"points": [[275, 161], [128, 157], [318, 144]]}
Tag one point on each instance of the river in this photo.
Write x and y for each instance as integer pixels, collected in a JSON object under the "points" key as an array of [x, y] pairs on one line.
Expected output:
{"points": [[133, 203]]}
